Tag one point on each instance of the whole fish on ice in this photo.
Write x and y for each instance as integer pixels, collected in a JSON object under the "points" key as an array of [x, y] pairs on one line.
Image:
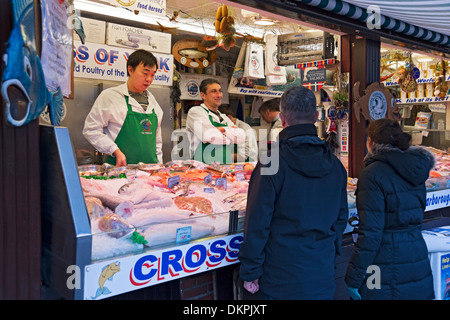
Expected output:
{"points": [[167, 232], [114, 225], [140, 218], [235, 197], [108, 200], [94, 207]]}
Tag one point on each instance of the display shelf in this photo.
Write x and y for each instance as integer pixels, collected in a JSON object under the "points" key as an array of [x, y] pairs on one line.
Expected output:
{"points": [[425, 100], [388, 83], [420, 130]]}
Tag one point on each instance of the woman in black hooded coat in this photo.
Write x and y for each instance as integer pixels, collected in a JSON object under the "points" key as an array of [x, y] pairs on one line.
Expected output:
{"points": [[391, 199]]}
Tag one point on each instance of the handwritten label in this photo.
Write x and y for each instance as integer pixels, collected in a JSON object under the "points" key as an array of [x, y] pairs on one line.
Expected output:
{"points": [[208, 190], [221, 183], [183, 234], [240, 176], [208, 178], [173, 181]]}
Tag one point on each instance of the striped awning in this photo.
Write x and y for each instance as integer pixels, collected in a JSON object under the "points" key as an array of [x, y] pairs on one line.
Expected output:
{"points": [[427, 20]]}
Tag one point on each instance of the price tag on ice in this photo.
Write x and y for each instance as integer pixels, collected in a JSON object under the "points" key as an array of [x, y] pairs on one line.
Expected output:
{"points": [[173, 181], [208, 190], [240, 176], [183, 234], [221, 183], [208, 178], [238, 167]]}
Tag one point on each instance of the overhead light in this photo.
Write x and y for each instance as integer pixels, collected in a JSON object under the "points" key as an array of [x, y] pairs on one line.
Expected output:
{"points": [[425, 59], [263, 21]]}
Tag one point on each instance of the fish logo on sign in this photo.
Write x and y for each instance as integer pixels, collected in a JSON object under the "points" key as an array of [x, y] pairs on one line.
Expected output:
{"points": [[126, 3], [107, 274], [192, 88], [254, 61]]}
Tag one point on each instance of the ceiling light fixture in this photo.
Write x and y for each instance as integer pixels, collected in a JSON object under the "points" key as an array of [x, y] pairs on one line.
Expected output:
{"points": [[263, 21], [425, 59]]}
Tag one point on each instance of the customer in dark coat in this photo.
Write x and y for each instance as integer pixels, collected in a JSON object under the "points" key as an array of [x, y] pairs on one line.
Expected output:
{"points": [[390, 200], [295, 216]]}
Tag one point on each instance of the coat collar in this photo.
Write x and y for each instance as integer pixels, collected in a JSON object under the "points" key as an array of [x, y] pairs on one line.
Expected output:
{"points": [[308, 129]]}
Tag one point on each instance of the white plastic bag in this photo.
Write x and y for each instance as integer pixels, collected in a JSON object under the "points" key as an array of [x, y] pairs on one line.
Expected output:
{"points": [[254, 61], [275, 80], [271, 63]]}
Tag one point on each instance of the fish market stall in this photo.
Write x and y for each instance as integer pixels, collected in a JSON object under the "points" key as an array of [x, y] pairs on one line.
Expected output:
{"points": [[177, 202], [145, 224], [142, 224]]}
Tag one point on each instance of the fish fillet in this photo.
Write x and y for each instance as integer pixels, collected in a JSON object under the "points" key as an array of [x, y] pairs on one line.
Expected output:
{"points": [[150, 217], [124, 209], [162, 203], [166, 233], [107, 200], [195, 204]]}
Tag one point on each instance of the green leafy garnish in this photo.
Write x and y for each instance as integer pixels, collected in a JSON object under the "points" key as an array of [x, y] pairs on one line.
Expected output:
{"points": [[138, 238]]}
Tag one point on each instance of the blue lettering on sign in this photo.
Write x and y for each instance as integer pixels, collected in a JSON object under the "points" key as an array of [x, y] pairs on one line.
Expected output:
{"points": [[82, 54], [218, 251], [163, 65], [200, 256], [144, 262], [440, 199], [234, 246], [101, 56], [171, 258], [113, 56], [173, 261]]}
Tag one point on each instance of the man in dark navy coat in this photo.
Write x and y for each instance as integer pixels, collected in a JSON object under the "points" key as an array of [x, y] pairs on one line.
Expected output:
{"points": [[296, 215]]}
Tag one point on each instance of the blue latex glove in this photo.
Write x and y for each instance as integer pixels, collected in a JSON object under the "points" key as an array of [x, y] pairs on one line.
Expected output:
{"points": [[354, 294]]}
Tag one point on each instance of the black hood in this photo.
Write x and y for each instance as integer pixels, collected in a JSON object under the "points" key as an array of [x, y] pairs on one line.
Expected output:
{"points": [[304, 152], [413, 164]]}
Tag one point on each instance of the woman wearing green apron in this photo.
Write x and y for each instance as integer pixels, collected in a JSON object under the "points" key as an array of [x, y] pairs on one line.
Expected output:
{"points": [[124, 121]]}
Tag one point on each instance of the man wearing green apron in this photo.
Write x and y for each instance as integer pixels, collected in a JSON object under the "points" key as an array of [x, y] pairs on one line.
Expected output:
{"points": [[213, 133], [125, 121]]}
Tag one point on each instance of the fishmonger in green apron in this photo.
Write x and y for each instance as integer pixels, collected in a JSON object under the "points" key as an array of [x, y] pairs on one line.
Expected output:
{"points": [[209, 153], [137, 138]]}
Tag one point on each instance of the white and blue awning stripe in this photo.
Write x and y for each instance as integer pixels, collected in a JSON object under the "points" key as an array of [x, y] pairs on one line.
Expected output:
{"points": [[426, 20]]}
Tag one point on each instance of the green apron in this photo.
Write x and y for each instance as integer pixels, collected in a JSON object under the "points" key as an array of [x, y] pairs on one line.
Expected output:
{"points": [[208, 153], [137, 137]]}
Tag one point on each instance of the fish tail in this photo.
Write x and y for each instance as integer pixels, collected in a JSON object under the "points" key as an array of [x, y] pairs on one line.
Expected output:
{"points": [[56, 108], [19, 7], [98, 293]]}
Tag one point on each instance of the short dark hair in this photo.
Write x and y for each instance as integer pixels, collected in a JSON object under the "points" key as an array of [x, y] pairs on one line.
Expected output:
{"points": [[141, 56], [298, 105], [387, 131], [204, 84], [271, 105]]}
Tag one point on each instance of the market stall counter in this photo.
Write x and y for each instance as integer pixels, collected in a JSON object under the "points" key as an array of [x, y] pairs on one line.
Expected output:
{"points": [[110, 230], [138, 225]]}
